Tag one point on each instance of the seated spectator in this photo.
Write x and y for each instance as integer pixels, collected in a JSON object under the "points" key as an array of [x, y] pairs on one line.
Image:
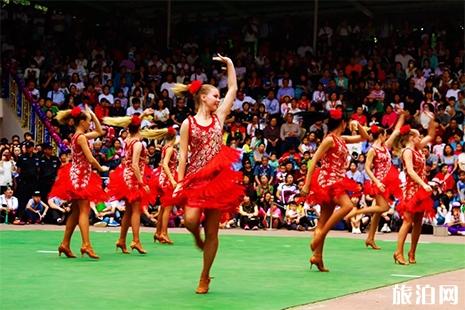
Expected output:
{"points": [[59, 210], [264, 187], [292, 216], [56, 95], [263, 168], [36, 209], [109, 213], [359, 116], [455, 220], [274, 216], [135, 107], [8, 206], [310, 218], [286, 191], [290, 133], [354, 174], [248, 212]]}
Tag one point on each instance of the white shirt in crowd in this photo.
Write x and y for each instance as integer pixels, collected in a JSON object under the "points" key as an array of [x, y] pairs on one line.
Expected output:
{"points": [[109, 97], [6, 173], [201, 77], [168, 87], [237, 106], [11, 203], [131, 111]]}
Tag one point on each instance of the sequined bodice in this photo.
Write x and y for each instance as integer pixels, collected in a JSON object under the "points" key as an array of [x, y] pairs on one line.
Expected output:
{"points": [[334, 163], [204, 143]]}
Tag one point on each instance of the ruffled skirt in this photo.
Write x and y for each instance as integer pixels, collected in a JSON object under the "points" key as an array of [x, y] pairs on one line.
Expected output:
{"points": [[215, 186], [64, 189], [391, 183], [118, 188], [326, 195], [164, 187], [421, 201]]}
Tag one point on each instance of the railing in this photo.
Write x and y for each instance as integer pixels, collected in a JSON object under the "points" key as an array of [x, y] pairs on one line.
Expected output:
{"points": [[31, 115]]}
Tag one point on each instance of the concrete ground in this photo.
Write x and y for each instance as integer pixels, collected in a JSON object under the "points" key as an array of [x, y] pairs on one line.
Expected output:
{"points": [[380, 299]]}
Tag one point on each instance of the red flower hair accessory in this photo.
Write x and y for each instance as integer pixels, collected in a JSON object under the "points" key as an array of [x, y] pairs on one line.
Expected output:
{"points": [[335, 114], [136, 120], [194, 87], [171, 131], [405, 129], [76, 111], [374, 129]]}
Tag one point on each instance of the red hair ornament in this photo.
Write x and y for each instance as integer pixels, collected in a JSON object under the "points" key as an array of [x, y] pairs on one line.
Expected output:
{"points": [[374, 129], [405, 130], [335, 114], [194, 87], [75, 112], [136, 121]]}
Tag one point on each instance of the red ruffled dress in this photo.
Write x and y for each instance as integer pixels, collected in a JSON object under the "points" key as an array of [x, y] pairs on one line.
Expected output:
{"points": [[386, 173], [76, 180], [165, 188], [330, 181], [416, 199], [210, 182], [123, 182]]}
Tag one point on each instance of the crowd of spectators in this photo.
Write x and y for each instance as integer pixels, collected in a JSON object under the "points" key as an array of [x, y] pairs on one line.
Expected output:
{"points": [[369, 71]]}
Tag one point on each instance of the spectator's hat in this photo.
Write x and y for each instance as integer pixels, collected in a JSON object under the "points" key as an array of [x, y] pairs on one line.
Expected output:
{"points": [[29, 144], [461, 161], [435, 182], [46, 146], [455, 204], [36, 193]]}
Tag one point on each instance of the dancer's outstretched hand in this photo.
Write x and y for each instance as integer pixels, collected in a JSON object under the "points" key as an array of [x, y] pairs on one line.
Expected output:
{"points": [[222, 59]]}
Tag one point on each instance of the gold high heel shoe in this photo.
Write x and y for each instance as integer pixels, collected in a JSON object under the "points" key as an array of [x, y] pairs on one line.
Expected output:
{"points": [[138, 247], [372, 244], [67, 251], [203, 286], [90, 252], [411, 258], [399, 259], [122, 246], [318, 261]]}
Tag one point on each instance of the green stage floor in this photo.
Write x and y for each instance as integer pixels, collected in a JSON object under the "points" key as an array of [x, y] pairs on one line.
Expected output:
{"points": [[250, 272]]}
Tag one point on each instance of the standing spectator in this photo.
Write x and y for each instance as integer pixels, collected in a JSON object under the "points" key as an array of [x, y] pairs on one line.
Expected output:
{"points": [[8, 205], [7, 168], [48, 168], [28, 165]]}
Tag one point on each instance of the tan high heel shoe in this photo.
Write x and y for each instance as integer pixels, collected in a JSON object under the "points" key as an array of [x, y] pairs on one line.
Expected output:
{"points": [[318, 261], [138, 247], [122, 246], [203, 286], [90, 252], [372, 244], [166, 240], [157, 238], [399, 259], [411, 258], [67, 251]]}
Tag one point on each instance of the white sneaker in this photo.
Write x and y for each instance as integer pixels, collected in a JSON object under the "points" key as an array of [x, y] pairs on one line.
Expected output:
{"points": [[461, 233], [101, 224], [385, 228]]}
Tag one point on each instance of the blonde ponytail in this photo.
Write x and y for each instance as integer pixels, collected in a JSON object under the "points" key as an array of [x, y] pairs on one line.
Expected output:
{"points": [[180, 89], [120, 121], [63, 116], [154, 134]]}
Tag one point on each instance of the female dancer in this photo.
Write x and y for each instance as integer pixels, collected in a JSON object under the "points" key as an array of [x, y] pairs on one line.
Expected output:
{"points": [[417, 194], [207, 183], [329, 184], [76, 182], [384, 177], [166, 184], [132, 180]]}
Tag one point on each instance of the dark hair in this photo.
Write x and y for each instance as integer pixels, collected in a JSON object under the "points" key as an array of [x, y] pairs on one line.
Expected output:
{"points": [[381, 131], [444, 151], [334, 123]]}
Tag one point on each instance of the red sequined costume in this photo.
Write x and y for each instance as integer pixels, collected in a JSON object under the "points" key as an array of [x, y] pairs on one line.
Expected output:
{"points": [[165, 188], [123, 182], [210, 181], [386, 173], [76, 180], [330, 181], [416, 199]]}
